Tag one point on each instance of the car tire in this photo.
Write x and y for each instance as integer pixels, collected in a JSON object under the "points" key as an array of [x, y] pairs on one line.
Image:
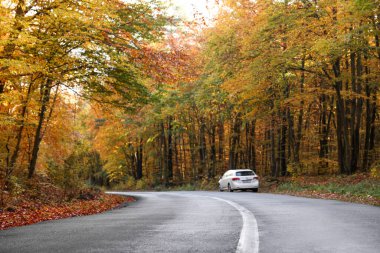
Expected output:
{"points": [[255, 189], [220, 188], [229, 188]]}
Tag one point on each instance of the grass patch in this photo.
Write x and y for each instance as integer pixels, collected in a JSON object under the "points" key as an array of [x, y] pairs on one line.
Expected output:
{"points": [[362, 189], [142, 185], [359, 188]]}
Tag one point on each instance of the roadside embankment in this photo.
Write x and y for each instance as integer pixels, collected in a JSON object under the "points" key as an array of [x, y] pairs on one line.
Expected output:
{"points": [[357, 188], [29, 209]]}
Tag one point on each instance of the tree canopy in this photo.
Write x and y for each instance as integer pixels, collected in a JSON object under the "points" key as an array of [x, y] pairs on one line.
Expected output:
{"points": [[117, 91]]}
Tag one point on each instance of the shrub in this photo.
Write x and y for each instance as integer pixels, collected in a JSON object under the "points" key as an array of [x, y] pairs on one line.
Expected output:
{"points": [[375, 171], [141, 185]]}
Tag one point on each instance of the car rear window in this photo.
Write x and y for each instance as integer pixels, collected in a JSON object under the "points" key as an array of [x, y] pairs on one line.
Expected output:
{"points": [[245, 173]]}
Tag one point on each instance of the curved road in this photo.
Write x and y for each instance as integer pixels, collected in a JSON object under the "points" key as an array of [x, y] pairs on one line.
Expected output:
{"points": [[208, 222]]}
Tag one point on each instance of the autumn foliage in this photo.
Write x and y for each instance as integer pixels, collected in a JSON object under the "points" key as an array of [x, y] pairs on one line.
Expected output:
{"points": [[288, 88], [32, 211], [120, 93]]}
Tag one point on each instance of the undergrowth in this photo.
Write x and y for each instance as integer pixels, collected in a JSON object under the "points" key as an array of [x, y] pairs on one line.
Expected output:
{"points": [[145, 185], [364, 188], [361, 187]]}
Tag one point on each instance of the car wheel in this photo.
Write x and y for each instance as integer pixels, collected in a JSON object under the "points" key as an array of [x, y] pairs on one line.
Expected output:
{"points": [[255, 189], [229, 188], [220, 188]]}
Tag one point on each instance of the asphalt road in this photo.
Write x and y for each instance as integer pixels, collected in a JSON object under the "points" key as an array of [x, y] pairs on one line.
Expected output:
{"points": [[208, 222]]}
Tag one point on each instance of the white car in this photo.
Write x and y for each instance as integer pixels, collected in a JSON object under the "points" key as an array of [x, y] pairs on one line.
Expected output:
{"points": [[239, 180]]}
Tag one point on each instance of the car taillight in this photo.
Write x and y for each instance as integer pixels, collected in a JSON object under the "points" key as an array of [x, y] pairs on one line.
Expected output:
{"points": [[256, 177], [235, 179]]}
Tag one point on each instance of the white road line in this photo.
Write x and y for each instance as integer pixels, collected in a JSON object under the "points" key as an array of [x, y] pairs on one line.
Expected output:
{"points": [[249, 235]]}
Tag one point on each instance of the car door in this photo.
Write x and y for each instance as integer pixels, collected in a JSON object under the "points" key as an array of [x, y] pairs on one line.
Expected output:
{"points": [[229, 178], [226, 179], [223, 181]]}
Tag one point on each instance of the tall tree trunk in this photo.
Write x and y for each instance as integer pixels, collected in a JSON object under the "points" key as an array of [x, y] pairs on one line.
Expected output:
{"points": [[139, 159], [252, 146], [170, 149], [291, 136], [129, 159], [245, 150], [45, 92], [133, 160], [193, 150], [298, 138], [273, 163], [369, 123], [164, 154], [282, 147], [202, 147], [373, 130], [283, 116], [177, 170], [370, 133], [212, 168], [342, 128], [324, 130], [235, 136], [183, 157], [12, 162], [357, 117], [266, 148], [221, 146]]}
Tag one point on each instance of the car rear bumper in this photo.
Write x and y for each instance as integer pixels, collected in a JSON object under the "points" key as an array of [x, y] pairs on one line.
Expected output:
{"points": [[242, 185]]}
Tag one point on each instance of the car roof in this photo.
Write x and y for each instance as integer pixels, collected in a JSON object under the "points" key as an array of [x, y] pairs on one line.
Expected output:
{"points": [[237, 170]]}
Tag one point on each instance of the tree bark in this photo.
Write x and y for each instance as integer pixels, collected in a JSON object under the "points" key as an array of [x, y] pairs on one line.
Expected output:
{"points": [[45, 92], [202, 147], [139, 159], [13, 159], [324, 130], [273, 148], [298, 138], [356, 117], [282, 147], [252, 145], [235, 136], [369, 127], [342, 128], [212, 138], [170, 149], [221, 146]]}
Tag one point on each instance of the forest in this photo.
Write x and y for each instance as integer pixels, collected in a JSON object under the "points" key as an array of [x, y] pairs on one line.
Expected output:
{"points": [[124, 93]]}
